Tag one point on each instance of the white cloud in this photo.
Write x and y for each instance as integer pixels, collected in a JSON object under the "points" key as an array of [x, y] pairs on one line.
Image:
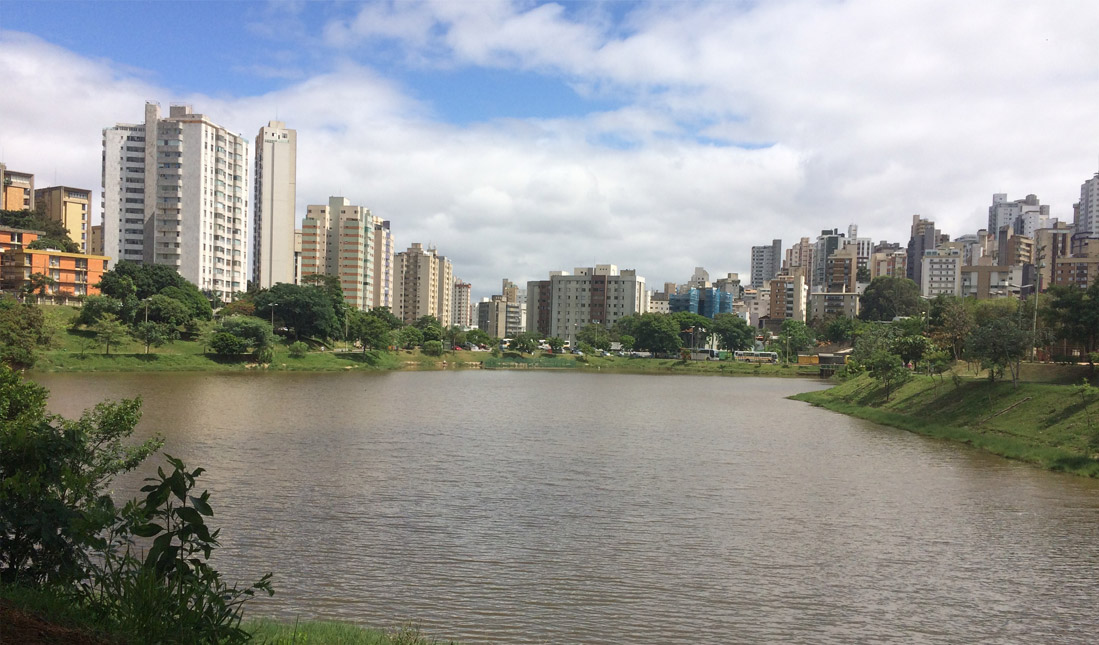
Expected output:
{"points": [[868, 112]]}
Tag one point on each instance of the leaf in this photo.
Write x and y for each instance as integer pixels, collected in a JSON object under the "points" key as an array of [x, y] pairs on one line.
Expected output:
{"points": [[190, 516], [201, 506], [147, 530], [178, 485]]}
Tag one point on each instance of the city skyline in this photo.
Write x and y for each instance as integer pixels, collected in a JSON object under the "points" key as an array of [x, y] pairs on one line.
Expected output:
{"points": [[520, 138]]}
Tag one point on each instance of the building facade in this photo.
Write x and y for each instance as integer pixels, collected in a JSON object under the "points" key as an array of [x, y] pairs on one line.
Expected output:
{"points": [[16, 189], [941, 273], [275, 196], [340, 239], [175, 193], [425, 284], [72, 207], [72, 275], [766, 262], [600, 295], [460, 304]]}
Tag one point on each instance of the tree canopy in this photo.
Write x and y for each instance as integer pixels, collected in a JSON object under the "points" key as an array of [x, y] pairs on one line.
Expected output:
{"points": [[886, 298]]}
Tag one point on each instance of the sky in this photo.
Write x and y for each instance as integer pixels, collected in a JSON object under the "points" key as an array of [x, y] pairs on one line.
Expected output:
{"points": [[525, 137]]}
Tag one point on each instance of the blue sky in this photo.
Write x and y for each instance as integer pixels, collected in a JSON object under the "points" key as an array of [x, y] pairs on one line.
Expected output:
{"points": [[524, 137]]}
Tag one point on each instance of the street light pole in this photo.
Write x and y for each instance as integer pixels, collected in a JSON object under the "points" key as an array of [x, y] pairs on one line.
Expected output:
{"points": [[273, 305]]}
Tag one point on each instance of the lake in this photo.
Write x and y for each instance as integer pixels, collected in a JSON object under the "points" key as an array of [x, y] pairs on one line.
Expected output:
{"points": [[553, 507]]}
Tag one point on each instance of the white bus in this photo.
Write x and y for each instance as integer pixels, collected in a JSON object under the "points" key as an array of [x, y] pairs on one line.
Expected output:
{"points": [[755, 357]]}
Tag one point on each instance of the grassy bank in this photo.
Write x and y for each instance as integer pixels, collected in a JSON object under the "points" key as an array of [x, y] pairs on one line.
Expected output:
{"points": [[44, 616], [76, 351], [1046, 424]]}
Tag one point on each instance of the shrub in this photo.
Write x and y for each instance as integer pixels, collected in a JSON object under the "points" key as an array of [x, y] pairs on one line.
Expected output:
{"points": [[298, 349], [226, 344], [433, 348]]}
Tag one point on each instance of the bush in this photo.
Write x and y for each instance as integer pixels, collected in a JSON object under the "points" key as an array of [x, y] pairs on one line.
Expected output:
{"points": [[53, 472], [298, 349], [226, 344], [433, 348]]}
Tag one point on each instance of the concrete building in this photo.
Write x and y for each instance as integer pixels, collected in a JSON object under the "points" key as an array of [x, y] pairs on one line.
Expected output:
{"points": [[984, 282], [16, 190], [799, 255], [789, 297], [923, 237], [705, 301], [766, 261], [74, 275], [297, 256], [276, 170], [828, 242], [339, 239], [95, 239], [864, 246], [385, 266], [600, 295], [941, 272], [1023, 216], [841, 270], [889, 263], [72, 207], [461, 310], [1014, 250], [175, 192], [1086, 211], [824, 305], [757, 302], [1079, 270], [425, 284]]}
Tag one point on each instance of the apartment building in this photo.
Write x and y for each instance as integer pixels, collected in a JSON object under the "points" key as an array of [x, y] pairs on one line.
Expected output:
{"points": [[825, 304], [1086, 211], [16, 190], [425, 284], [789, 297], [799, 255], [841, 270], [95, 239], [73, 274], [922, 238], [941, 272], [766, 262], [341, 239], [987, 281], [275, 196], [69, 206], [175, 193], [568, 302], [460, 307], [1023, 216], [893, 264], [1014, 249], [828, 242]]}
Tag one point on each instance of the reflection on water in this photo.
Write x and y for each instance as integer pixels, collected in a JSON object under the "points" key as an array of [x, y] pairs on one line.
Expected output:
{"points": [[578, 508]]}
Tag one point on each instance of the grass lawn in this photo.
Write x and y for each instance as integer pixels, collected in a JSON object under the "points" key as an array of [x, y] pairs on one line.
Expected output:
{"points": [[1047, 423]]}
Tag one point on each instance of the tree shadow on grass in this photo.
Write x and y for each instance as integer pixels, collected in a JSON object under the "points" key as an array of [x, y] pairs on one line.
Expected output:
{"points": [[371, 358], [147, 358], [1076, 463]]}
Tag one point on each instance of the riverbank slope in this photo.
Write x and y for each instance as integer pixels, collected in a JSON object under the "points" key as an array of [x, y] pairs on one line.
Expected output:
{"points": [[1046, 424]]}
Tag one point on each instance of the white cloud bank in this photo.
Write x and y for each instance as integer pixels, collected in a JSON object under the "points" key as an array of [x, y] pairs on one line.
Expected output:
{"points": [[739, 124]]}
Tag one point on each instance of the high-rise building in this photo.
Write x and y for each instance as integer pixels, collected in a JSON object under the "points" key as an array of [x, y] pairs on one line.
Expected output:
{"points": [[425, 284], [175, 192], [461, 311], [941, 272], [95, 239], [766, 261], [1086, 220], [69, 206], [828, 242], [275, 197], [16, 190], [384, 265], [1023, 216], [599, 295], [924, 237], [799, 255], [340, 239]]}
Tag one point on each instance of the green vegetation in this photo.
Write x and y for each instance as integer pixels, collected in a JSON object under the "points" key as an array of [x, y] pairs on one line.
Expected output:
{"points": [[1046, 424], [333, 633]]}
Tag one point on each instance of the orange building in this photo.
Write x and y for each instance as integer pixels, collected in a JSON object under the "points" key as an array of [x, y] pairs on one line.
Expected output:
{"points": [[15, 238], [73, 274]]}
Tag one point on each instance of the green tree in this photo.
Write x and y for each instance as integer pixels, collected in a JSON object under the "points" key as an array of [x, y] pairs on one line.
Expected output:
{"points": [[154, 334], [525, 342], [370, 330], [226, 344], [308, 311], [912, 349], [94, 307], [886, 298], [409, 337], [38, 284], [255, 332], [478, 337], [433, 348], [950, 323], [168, 311], [999, 344], [595, 335], [53, 475], [837, 329], [556, 344], [109, 331], [886, 367], [430, 327], [794, 337], [733, 332], [626, 341], [1075, 314], [23, 331], [298, 349], [387, 316], [657, 333]]}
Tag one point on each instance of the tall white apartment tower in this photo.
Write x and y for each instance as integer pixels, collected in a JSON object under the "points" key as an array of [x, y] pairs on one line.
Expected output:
{"points": [[1087, 209], [276, 192], [175, 192]]}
